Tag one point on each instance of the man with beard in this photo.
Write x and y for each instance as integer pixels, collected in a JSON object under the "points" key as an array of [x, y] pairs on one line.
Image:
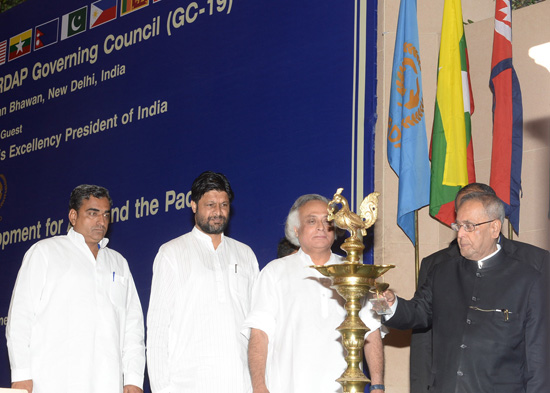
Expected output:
{"points": [[75, 322], [199, 298]]}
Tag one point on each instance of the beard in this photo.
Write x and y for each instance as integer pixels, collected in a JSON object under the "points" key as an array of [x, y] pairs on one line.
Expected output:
{"points": [[207, 224]]}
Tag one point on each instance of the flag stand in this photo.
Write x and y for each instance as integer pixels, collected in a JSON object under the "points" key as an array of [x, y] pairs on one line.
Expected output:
{"points": [[416, 251]]}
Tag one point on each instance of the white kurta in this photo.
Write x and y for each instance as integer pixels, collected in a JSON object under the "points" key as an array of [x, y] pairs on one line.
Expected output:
{"points": [[75, 323], [199, 299], [295, 306]]}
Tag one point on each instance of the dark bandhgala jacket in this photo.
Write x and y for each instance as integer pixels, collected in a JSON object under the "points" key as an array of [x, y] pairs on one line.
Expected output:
{"points": [[490, 326]]}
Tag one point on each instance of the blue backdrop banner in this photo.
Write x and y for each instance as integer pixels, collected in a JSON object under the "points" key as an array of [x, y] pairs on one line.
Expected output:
{"points": [[141, 96]]}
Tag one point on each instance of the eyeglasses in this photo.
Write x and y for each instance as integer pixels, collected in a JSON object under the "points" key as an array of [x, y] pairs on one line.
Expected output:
{"points": [[97, 213], [468, 226]]}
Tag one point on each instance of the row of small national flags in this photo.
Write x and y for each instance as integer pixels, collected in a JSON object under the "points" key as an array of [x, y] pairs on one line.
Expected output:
{"points": [[451, 150], [72, 23]]}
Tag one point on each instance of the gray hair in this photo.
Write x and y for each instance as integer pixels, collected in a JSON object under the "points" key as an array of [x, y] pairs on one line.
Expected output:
{"points": [[494, 208], [472, 187], [293, 218]]}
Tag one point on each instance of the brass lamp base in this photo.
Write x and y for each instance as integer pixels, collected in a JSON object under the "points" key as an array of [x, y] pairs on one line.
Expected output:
{"points": [[353, 280]]}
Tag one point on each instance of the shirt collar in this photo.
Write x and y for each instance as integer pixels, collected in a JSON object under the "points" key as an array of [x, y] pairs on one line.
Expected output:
{"points": [[306, 259], [480, 262], [204, 237], [79, 238]]}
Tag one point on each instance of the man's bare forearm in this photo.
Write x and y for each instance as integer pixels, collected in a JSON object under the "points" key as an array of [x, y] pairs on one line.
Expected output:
{"points": [[257, 358], [374, 354], [25, 385]]}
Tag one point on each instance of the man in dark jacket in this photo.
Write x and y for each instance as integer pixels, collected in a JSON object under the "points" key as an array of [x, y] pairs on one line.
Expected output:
{"points": [[487, 304], [421, 339]]}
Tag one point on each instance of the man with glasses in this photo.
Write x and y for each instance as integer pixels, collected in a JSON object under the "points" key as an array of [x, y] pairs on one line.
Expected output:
{"points": [[487, 306], [75, 322]]}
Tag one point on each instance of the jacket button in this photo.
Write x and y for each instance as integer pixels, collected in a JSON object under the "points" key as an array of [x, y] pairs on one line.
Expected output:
{"points": [[463, 346], [468, 321], [459, 373], [474, 298], [478, 274]]}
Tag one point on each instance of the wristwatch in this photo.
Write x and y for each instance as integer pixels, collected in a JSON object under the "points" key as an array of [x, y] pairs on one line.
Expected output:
{"points": [[377, 387]]}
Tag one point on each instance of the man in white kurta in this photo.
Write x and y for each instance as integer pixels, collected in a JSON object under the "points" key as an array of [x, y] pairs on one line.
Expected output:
{"points": [[75, 322], [295, 306], [199, 298], [294, 345]]}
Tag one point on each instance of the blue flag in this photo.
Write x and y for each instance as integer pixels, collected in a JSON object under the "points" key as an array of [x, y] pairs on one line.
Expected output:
{"points": [[407, 141]]}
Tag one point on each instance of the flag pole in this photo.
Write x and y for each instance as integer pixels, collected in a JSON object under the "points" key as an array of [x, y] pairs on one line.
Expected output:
{"points": [[510, 231], [416, 253]]}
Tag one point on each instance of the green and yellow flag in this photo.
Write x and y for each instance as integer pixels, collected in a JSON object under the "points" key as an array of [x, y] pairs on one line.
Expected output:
{"points": [[451, 151]]}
